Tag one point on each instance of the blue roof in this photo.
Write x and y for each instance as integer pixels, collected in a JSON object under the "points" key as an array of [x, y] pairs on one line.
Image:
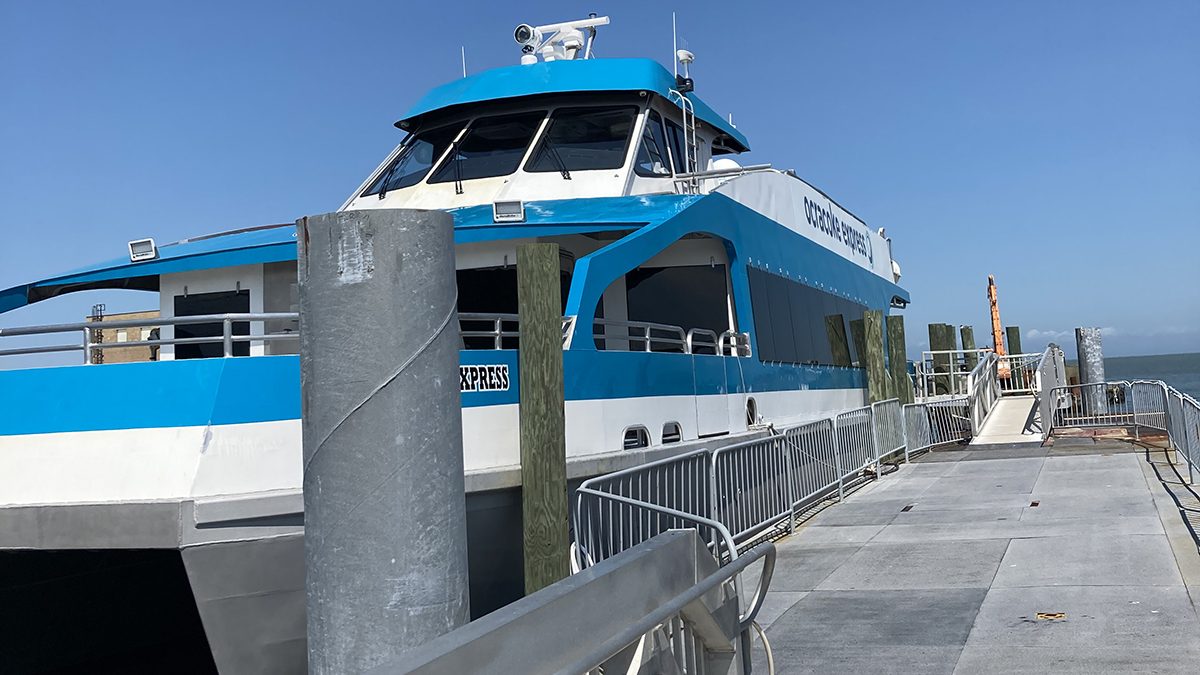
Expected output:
{"points": [[562, 77], [272, 243]]}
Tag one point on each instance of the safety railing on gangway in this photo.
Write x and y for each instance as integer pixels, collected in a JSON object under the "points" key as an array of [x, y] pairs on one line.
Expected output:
{"points": [[1150, 404], [983, 389], [663, 606], [734, 495]]}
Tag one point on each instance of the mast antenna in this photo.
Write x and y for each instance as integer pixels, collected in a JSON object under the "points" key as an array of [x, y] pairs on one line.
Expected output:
{"points": [[464, 59], [674, 45]]}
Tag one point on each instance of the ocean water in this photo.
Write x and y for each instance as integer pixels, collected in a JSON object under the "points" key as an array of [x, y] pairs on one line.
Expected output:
{"points": [[1181, 371]]}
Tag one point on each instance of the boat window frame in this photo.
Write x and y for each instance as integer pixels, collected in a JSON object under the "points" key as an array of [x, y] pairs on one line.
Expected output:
{"points": [[466, 117], [538, 129], [403, 147], [646, 122], [635, 128]]}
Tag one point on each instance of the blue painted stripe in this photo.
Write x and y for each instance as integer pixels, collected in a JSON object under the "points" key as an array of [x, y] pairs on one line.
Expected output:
{"points": [[262, 389], [153, 394]]}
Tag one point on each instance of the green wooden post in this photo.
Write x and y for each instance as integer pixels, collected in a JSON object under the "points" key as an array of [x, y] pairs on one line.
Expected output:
{"points": [[860, 341], [542, 423], [835, 330], [941, 338], [1013, 333], [872, 357], [968, 343], [902, 387]]}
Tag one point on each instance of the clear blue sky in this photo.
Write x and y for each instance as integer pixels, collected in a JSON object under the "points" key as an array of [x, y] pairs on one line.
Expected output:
{"points": [[1054, 144]]}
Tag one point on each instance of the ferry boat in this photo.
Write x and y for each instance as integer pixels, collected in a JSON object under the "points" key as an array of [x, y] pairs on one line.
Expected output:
{"points": [[161, 520]]}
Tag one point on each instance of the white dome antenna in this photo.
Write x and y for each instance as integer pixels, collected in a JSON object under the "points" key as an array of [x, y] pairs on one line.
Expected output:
{"points": [[558, 41]]}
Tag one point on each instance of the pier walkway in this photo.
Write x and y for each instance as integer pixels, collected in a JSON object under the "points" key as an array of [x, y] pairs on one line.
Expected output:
{"points": [[1068, 558]]}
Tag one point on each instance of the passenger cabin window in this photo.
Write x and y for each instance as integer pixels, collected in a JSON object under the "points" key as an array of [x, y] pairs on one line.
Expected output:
{"points": [[795, 323], [418, 153], [677, 140], [652, 159], [693, 296], [491, 146], [199, 304], [584, 139], [490, 291]]}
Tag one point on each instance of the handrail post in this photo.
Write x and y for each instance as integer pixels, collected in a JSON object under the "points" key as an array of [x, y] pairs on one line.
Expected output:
{"points": [[227, 336], [790, 478], [499, 340], [837, 459], [87, 346]]}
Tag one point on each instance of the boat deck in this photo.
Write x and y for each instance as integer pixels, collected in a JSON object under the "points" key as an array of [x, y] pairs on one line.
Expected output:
{"points": [[1070, 558]]}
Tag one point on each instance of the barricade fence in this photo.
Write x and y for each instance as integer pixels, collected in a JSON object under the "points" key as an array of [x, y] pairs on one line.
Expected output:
{"points": [[928, 425], [1149, 404], [735, 494]]}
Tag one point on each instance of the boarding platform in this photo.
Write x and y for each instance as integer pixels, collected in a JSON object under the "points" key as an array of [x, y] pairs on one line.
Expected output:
{"points": [[1044, 530], [1071, 558]]}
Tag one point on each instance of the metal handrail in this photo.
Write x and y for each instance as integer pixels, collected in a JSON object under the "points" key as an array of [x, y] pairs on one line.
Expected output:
{"points": [[659, 615], [647, 337], [692, 343], [88, 346], [732, 343]]}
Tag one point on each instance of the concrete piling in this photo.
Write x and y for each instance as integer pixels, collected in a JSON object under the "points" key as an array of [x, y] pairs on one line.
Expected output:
{"points": [[385, 522], [1091, 369]]}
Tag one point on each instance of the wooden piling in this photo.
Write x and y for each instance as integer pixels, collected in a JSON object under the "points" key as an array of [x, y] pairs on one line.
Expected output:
{"points": [[873, 357], [860, 342], [968, 344], [835, 331], [941, 338], [902, 387], [1013, 333], [542, 422]]}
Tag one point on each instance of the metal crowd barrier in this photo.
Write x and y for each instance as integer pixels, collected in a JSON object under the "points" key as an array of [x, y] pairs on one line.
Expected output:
{"points": [[928, 425], [1151, 404], [735, 494]]}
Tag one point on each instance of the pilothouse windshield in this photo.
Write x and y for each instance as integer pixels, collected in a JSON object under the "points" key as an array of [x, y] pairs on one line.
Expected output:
{"points": [[416, 156], [492, 146]]}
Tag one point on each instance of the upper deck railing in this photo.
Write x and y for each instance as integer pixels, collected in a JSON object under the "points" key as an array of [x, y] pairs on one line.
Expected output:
{"points": [[479, 331], [235, 329]]}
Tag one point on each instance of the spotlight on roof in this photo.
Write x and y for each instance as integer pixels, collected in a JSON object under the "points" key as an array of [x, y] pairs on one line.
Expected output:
{"points": [[527, 35], [142, 249]]}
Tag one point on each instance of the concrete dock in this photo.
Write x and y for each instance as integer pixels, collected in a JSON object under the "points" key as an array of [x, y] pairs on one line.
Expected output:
{"points": [[1071, 558]]}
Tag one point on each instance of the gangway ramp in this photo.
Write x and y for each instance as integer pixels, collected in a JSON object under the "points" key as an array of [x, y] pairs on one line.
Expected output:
{"points": [[1012, 420], [992, 561]]}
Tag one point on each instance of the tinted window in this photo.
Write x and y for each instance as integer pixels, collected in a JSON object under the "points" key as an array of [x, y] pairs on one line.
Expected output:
{"points": [[790, 319], [492, 146], [691, 297], [493, 290], [419, 153], [582, 139], [199, 304], [652, 152], [675, 136]]}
